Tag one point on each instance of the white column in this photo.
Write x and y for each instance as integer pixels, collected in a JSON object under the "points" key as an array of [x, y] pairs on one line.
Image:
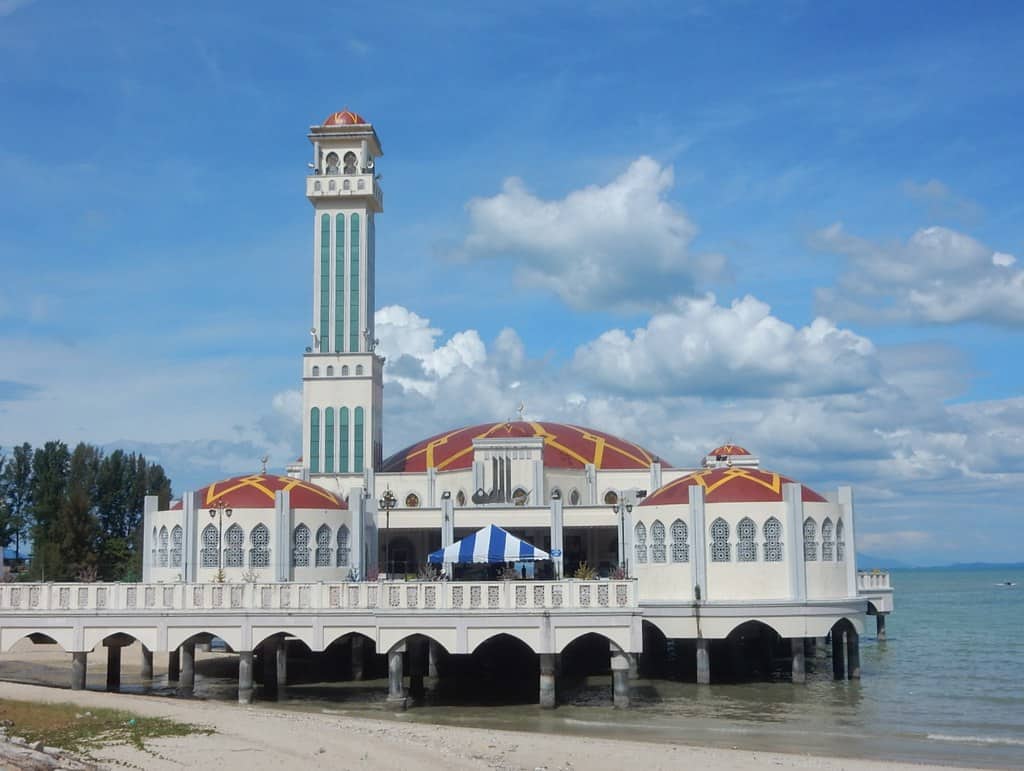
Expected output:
{"points": [[190, 525], [537, 495], [280, 542], [655, 476], [698, 538], [850, 554], [149, 506], [447, 528], [478, 476], [590, 472], [431, 487], [792, 495], [557, 547], [357, 505]]}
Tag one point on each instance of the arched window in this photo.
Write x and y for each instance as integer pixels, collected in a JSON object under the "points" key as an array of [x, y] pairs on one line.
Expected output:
{"points": [[211, 547], [460, 499], [332, 163], [810, 540], [300, 547], [329, 440], [323, 547], [658, 541], [330, 370], [259, 547], [680, 549], [357, 441], [161, 552], [343, 436], [640, 542], [343, 548], [359, 370], [234, 541], [350, 162], [828, 542], [611, 497], [840, 542], [361, 184], [316, 371], [314, 440], [746, 549], [720, 550], [772, 540], [176, 537], [574, 497], [332, 185], [412, 501], [346, 185], [317, 187], [344, 370], [520, 497]]}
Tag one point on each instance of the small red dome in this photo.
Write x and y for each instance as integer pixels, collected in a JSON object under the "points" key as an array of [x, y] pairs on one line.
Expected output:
{"points": [[729, 485], [344, 118], [729, 449], [256, 491]]}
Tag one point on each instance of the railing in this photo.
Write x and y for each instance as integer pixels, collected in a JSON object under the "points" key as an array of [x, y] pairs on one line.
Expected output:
{"points": [[333, 185], [378, 596], [868, 580]]}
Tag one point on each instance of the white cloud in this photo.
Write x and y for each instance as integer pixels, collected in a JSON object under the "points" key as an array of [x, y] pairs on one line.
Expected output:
{"points": [[938, 276], [623, 244], [941, 202]]}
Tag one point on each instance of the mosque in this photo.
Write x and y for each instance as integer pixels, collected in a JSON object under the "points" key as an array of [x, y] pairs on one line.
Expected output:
{"points": [[725, 535]]}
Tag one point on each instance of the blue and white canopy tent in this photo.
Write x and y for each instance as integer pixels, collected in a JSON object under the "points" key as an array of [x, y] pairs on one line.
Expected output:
{"points": [[489, 545]]}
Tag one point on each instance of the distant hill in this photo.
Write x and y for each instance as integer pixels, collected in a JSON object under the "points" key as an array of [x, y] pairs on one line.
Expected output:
{"points": [[978, 566], [869, 561]]}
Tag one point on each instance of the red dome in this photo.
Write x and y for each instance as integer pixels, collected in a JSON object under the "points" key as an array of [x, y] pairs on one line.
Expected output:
{"points": [[565, 446], [729, 449], [256, 491], [728, 485], [344, 118]]}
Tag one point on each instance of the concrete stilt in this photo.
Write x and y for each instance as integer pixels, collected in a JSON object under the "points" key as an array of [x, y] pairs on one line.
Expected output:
{"points": [[173, 666], [703, 661], [799, 660], [433, 659], [79, 661], [245, 677], [880, 626], [267, 667], [418, 655], [113, 668], [622, 666], [838, 658], [852, 654], [358, 658], [146, 671], [547, 680], [281, 662], [396, 691], [187, 679]]}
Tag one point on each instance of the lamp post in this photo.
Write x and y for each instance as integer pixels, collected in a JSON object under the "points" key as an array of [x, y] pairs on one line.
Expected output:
{"points": [[622, 508], [387, 502], [219, 511]]}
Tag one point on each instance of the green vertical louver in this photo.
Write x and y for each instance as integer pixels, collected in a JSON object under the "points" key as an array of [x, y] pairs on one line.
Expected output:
{"points": [[357, 442], [339, 283], [353, 292], [325, 283], [343, 436], [314, 440], [329, 440]]}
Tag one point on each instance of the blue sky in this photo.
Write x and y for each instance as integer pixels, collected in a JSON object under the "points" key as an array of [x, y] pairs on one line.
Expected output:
{"points": [[797, 223]]}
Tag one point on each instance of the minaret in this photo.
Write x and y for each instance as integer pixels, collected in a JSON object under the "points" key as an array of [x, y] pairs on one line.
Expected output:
{"points": [[342, 384]]}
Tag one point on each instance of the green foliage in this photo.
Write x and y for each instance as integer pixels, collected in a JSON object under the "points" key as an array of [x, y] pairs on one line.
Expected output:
{"points": [[584, 572], [16, 494]]}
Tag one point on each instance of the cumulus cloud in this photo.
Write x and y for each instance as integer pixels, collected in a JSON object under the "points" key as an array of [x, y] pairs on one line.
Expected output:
{"points": [[937, 276], [700, 347], [623, 244], [940, 201]]}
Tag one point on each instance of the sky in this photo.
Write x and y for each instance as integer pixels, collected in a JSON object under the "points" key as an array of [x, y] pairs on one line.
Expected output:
{"points": [[793, 226]]}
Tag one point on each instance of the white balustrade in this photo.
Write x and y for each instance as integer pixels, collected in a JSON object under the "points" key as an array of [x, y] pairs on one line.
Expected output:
{"points": [[868, 580]]}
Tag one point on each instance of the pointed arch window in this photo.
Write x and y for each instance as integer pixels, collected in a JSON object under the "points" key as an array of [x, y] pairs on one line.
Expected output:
{"points": [[259, 547], [810, 540], [658, 553], [680, 547], [161, 552], [343, 547], [640, 542], [329, 440], [176, 538], [300, 547], [460, 498], [720, 549], [828, 540], [574, 497], [234, 541], [746, 549], [211, 547], [772, 540], [314, 440], [840, 542], [323, 547]]}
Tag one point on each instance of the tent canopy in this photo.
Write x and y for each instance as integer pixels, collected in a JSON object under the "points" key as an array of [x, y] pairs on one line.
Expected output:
{"points": [[491, 544]]}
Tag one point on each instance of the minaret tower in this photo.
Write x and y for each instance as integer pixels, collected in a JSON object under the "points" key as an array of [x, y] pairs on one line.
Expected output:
{"points": [[342, 384]]}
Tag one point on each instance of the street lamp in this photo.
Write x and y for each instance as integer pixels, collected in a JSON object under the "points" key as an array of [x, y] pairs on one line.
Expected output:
{"points": [[622, 508], [219, 511], [387, 502]]}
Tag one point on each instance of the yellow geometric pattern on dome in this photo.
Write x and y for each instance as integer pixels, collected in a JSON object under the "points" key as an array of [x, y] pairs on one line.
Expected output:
{"points": [[730, 449], [255, 481], [773, 483]]}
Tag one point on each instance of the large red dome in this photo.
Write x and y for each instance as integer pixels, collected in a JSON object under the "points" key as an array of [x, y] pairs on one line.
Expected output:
{"points": [[256, 491], [565, 446], [344, 118], [728, 485]]}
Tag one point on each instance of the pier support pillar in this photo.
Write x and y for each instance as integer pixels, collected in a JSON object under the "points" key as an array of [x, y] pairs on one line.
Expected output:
{"points": [[146, 670], [245, 677], [113, 668], [838, 658], [852, 654], [358, 657], [396, 692], [281, 669], [880, 626], [418, 653], [547, 680], [433, 659], [187, 678], [799, 660], [173, 666], [703, 661], [79, 661], [622, 667]]}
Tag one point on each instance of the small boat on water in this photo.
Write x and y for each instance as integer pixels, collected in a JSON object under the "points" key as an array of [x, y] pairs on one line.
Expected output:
{"points": [[1007, 584]]}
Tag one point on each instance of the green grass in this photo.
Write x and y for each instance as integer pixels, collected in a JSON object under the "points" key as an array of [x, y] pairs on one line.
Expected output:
{"points": [[80, 729]]}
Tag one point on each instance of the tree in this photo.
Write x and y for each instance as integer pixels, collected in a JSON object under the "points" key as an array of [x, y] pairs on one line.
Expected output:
{"points": [[7, 526], [77, 526], [16, 493], [49, 487]]}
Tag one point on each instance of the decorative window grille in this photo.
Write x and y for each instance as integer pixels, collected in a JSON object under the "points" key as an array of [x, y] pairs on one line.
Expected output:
{"points": [[574, 497], [720, 550], [234, 547], [412, 501], [746, 549], [640, 542], [840, 542], [344, 370], [460, 499], [658, 541], [330, 371], [611, 497], [300, 547], [211, 547], [323, 547], [162, 551], [772, 540], [343, 547], [259, 547], [810, 540], [176, 538], [828, 542], [680, 549]]}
